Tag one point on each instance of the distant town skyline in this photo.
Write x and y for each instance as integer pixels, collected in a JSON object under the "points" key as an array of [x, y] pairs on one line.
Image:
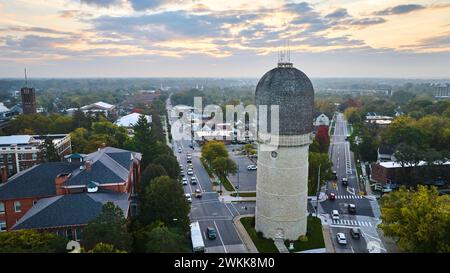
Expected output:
{"points": [[212, 38]]}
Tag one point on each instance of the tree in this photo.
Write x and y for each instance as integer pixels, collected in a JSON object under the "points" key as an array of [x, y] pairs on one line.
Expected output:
{"points": [[151, 172], [212, 150], [170, 164], [418, 220], [47, 151], [108, 227], [79, 138], [104, 248], [142, 140], [31, 241], [163, 240], [316, 159], [353, 115], [163, 200], [223, 166], [249, 149], [323, 138]]}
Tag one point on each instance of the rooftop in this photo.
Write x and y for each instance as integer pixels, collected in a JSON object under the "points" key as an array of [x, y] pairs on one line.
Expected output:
{"points": [[131, 119], [69, 210]]}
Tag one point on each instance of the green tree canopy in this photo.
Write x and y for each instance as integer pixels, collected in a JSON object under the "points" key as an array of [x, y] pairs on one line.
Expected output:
{"points": [[418, 220], [31, 241], [109, 227], [163, 200], [151, 172], [212, 150], [316, 159], [163, 240], [223, 166]]}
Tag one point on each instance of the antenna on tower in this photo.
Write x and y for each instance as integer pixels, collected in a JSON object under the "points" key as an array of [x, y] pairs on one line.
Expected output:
{"points": [[26, 81], [284, 57]]}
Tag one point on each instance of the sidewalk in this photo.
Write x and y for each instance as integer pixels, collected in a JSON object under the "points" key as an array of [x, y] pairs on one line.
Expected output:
{"points": [[243, 233], [229, 199]]}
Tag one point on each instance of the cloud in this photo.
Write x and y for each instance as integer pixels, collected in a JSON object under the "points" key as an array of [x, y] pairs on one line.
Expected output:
{"points": [[102, 3], [400, 9], [338, 14], [146, 4], [34, 29]]}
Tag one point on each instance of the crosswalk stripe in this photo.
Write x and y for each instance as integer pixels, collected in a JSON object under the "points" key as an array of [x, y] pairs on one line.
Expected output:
{"points": [[370, 224]]}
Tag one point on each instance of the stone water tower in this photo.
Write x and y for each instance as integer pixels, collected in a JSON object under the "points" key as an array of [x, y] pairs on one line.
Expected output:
{"points": [[282, 175]]}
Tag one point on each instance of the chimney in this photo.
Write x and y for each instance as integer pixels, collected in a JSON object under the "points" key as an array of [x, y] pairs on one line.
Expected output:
{"points": [[4, 174], [88, 165], [59, 182]]}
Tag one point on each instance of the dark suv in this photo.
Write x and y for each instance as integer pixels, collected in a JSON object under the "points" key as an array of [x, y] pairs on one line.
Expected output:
{"points": [[211, 232], [355, 233]]}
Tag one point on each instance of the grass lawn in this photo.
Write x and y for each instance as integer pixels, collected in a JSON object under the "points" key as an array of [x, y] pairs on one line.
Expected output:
{"points": [[226, 184], [245, 194], [314, 234], [263, 245]]}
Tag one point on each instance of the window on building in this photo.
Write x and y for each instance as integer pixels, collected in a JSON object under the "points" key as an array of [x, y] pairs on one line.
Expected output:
{"points": [[2, 208], [2, 226], [17, 206], [34, 156]]}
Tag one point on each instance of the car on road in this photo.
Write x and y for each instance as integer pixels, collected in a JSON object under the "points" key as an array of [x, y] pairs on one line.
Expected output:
{"points": [[335, 175], [190, 165], [351, 208], [344, 181], [253, 156], [198, 193], [188, 155], [179, 150], [332, 196], [355, 233], [181, 173], [252, 167], [184, 181], [335, 214], [341, 239], [211, 233], [189, 160], [190, 171], [188, 197], [193, 180]]}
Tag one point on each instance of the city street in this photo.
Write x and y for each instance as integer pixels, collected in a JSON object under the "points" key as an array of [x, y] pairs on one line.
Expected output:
{"points": [[208, 210], [365, 217]]}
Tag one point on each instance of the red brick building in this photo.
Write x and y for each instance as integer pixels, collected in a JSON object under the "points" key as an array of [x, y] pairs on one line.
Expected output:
{"points": [[64, 196]]}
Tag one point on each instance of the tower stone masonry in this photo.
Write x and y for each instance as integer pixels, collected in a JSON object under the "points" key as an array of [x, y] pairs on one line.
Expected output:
{"points": [[282, 175]]}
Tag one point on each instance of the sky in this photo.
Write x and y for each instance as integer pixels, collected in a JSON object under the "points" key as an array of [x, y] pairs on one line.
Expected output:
{"points": [[217, 38]]}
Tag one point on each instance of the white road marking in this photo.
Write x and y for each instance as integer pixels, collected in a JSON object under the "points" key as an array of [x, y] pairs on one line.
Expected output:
{"points": [[220, 237]]}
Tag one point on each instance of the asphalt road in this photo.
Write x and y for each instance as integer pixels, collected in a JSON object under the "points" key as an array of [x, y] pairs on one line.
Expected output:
{"points": [[208, 210], [364, 219]]}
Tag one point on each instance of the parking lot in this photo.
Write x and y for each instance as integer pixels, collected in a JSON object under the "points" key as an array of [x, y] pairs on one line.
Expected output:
{"points": [[247, 179]]}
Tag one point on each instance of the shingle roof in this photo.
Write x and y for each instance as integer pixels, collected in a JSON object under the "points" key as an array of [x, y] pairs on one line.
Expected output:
{"points": [[37, 181], [69, 210]]}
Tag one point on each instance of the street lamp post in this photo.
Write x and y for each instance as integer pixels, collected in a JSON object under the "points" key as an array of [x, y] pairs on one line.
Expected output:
{"points": [[318, 191], [237, 181]]}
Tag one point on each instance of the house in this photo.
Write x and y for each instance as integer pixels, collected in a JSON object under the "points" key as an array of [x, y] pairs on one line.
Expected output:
{"points": [[5, 112], [381, 121], [20, 152], [130, 120], [99, 108], [385, 153], [389, 172], [321, 119], [62, 197]]}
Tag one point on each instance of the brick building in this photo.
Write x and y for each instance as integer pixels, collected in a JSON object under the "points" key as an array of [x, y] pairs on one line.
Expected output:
{"points": [[62, 197], [20, 152]]}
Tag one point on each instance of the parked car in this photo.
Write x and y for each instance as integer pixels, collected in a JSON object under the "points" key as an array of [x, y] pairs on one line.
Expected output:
{"points": [[341, 239], [355, 233], [335, 215], [184, 180], [253, 156], [211, 233], [252, 167], [332, 196], [198, 193], [179, 150], [190, 165], [188, 197], [351, 208], [344, 181], [181, 173]]}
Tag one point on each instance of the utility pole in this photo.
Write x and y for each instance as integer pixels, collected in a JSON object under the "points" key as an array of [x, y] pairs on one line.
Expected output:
{"points": [[237, 181], [318, 191]]}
